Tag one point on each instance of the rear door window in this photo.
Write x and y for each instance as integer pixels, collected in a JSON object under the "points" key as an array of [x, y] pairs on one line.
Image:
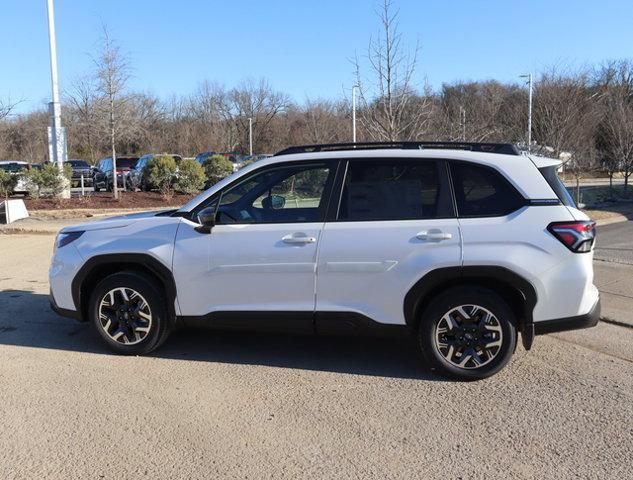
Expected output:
{"points": [[394, 190], [483, 192]]}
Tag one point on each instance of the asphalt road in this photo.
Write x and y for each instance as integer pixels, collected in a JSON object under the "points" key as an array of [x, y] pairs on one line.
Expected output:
{"points": [[210, 405], [615, 243]]}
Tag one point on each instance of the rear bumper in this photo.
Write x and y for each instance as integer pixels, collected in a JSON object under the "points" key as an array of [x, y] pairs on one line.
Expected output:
{"points": [[587, 320]]}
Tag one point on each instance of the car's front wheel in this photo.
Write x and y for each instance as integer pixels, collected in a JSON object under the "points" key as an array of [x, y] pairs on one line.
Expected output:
{"points": [[468, 333], [128, 312]]}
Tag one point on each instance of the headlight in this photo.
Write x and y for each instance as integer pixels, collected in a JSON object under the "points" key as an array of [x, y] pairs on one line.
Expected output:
{"points": [[64, 239]]}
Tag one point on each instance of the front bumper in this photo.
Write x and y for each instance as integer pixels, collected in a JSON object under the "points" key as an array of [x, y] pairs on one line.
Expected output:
{"points": [[75, 315], [586, 320], [88, 181]]}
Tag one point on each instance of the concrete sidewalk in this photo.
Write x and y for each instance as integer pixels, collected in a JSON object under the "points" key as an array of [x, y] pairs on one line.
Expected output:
{"points": [[615, 282]]}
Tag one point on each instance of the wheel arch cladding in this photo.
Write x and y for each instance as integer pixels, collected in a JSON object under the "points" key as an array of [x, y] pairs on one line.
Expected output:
{"points": [[514, 289], [100, 266]]}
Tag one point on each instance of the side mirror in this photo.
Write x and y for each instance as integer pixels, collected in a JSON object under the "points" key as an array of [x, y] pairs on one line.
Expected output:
{"points": [[206, 219], [274, 202]]}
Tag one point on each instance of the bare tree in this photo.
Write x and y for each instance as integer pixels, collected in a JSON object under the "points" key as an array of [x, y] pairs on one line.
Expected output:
{"points": [[387, 95], [481, 112], [255, 100], [565, 119], [6, 107], [616, 125], [83, 115], [113, 73]]}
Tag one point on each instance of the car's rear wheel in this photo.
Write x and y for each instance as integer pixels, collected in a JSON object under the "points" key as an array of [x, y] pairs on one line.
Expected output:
{"points": [[468, 333], [128, 312]]}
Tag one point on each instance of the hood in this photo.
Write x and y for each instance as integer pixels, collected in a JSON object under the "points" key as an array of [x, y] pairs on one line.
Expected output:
{"points": [[113, 222]]}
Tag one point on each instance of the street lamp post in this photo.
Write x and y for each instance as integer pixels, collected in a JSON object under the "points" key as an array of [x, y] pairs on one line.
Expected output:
{"points": [[57, 140], [250, 136], [529, 132], [354, 88]]}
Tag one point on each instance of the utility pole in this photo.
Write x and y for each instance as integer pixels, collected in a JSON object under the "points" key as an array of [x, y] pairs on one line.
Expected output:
{"points": [[57, 136], [528, 76], [462, 123], [250, 136], [354, 113]]}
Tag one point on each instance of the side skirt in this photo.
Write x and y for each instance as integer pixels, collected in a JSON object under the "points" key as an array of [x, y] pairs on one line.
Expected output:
{"points": [[310, 323]]}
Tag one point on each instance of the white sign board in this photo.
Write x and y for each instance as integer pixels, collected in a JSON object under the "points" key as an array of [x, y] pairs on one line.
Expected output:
{"points": [[13, 210]]}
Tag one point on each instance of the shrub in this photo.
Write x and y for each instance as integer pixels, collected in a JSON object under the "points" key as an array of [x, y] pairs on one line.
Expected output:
{"points": [[8, 182], [246, 163], [47, 178], [191, 177], [216, 168], [160, 172]]}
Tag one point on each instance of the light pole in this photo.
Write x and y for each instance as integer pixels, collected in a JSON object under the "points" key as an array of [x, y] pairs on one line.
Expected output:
{"points": [[462, 123], [250, 136], [57, 137], [354, 88], [528, 76]]}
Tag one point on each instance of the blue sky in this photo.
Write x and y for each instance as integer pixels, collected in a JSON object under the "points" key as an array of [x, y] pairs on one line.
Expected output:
{"points": [[302, 47]]}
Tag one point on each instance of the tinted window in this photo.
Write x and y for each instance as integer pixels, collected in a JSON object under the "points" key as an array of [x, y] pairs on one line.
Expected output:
{"points": [[78, 163], [12, 167], [558, 186], [483, 192], [393, 190], [278, 195], [126, 162]]}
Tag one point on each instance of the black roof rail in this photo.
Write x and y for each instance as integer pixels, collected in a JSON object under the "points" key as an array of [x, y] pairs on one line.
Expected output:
{"points": [[503, 148]]}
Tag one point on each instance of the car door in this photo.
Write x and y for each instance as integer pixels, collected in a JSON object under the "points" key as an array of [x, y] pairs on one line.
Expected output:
{"points": [[395, 222], [261, 255]]}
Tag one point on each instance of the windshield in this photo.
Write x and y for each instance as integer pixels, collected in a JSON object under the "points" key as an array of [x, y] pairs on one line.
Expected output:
{"points": [[12, 167], [554, 181], [78, 163], [126, 162]]}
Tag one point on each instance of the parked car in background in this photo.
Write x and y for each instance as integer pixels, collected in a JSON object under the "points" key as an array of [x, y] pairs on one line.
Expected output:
{"points": [[235, 158], [246, 159], [16, 167], [81, 168], [202, 157], [137, 176], [103, 175]]}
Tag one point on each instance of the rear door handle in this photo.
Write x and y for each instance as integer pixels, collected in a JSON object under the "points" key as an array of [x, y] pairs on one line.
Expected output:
{"points": [[434, 234], [298, 239]]}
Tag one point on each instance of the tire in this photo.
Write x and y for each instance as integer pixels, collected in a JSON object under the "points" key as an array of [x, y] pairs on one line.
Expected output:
{"points": [[129, 328], [472, 321]]}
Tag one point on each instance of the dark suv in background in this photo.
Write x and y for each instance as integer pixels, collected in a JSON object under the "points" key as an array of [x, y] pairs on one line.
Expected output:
{"points": [[103, 177], [81, 168]]}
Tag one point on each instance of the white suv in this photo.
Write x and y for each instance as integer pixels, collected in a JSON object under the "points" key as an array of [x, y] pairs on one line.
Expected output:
{"points": [[464, 245]]}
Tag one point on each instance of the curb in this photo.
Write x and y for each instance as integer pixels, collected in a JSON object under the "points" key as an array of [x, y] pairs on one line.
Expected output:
{"points": [[614, 219]]}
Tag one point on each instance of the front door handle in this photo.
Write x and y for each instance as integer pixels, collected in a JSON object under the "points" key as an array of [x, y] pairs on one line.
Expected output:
{"points": [[298, 239], [434, 234]]}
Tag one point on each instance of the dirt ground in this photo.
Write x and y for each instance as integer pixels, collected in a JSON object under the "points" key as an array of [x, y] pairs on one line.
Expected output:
{"points": [[100, 200]]}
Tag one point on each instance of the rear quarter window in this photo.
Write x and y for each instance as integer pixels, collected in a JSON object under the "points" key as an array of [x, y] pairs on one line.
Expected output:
{"points": [[554, 181], [483, 192]]}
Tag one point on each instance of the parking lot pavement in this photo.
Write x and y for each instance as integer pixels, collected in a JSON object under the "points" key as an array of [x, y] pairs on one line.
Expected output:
{"points": [[219, 405]]}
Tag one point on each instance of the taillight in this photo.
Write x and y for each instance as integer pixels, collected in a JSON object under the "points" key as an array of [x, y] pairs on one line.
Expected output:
{"points": [[577, 236]]}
